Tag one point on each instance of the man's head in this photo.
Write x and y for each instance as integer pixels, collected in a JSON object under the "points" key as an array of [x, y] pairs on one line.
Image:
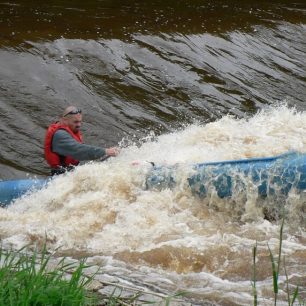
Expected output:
{"points": [[72, 116]]}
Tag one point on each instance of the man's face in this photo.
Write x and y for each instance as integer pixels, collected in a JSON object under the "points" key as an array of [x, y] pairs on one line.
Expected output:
{"points": [[74, 122]]}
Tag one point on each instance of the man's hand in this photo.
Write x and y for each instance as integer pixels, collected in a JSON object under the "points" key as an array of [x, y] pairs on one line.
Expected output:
{"points": [[113, 151]]}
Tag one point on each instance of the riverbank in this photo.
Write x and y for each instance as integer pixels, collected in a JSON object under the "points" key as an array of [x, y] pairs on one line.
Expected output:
{"points": [[33, 278]]}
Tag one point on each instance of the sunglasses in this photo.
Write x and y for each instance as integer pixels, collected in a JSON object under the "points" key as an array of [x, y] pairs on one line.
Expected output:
{"points": [[74, 112]]}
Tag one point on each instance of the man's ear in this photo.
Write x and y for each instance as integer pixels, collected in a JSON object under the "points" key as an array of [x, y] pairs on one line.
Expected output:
{"points": [[64, 120]]}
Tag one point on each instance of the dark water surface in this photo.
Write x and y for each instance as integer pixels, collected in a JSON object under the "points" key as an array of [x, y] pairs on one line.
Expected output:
{"points": [[135, 66]]}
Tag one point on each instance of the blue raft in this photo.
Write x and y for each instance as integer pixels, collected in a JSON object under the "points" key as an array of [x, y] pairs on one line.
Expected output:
{"points": [[13, 189], [276, 175]]}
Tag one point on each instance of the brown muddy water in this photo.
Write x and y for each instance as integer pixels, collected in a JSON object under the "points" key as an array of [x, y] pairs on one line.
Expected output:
{"points": [[174, 82]]}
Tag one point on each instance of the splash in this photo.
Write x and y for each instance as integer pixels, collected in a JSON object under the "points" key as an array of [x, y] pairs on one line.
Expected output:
{"points": [[109, 202], [105, 209]]}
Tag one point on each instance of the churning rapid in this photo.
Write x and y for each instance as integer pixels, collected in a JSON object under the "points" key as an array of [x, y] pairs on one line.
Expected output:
{"points": [[201, 245], [170, 82]]}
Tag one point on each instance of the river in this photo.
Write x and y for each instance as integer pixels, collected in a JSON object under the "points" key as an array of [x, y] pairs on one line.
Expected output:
{"points": [[174, 82]]}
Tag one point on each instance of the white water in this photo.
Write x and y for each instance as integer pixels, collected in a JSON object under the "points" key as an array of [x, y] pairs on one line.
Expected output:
{"points": [[171, 239]]}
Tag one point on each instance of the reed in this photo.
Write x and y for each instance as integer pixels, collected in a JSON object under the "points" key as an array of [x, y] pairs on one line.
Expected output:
{"points": [[254, 275], [296, 291], [26, 280], [275, 275]]}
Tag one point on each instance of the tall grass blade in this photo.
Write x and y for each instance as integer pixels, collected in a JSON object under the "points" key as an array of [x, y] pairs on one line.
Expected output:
{"points": [[287, 282], [170, 298], [275, 276], [295, 295], [254, 275], [296, 291], [274, 272], [26, 281]]}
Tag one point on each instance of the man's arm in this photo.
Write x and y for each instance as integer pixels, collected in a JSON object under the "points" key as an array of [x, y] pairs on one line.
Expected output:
{"points": [[64, 144]]}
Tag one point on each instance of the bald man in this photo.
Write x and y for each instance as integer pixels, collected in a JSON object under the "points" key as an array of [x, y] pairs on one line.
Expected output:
{"points": [[64, 147]]}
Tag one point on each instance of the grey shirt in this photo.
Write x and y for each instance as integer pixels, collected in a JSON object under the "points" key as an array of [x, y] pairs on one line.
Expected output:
{"points": [[64, 144]]}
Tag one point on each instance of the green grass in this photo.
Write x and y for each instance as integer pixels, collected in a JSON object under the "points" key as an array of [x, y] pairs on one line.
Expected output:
{"points": [[26, 280], [292, 297]]}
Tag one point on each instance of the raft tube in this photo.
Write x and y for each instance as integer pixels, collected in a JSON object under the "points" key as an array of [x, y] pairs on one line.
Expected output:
{"points": [[13, 189], [276, 175]]}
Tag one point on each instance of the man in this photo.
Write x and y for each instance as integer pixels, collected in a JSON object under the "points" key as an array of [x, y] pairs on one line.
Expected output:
{"points": [[64, 147]]}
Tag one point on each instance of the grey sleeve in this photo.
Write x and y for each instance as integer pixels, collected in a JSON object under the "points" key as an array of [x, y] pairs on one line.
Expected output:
{"points": [[64, 144]]}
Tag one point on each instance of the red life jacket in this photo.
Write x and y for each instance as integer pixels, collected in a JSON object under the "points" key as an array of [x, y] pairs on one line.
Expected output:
{"points": [[55, 160]]}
